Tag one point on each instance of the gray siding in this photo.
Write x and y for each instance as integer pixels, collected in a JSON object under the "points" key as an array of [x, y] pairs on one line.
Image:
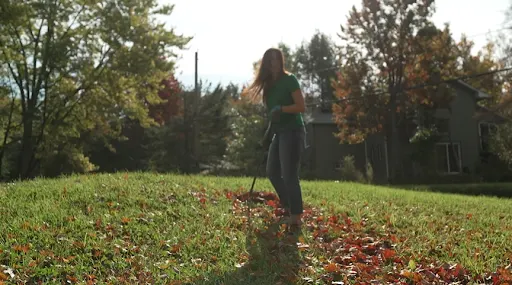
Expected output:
{"points": [[377, 156], [463, 127], [327, 152]]}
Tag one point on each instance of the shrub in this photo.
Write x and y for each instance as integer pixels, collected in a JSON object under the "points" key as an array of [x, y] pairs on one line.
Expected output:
{"points": [[349, 171], [369, 173]]}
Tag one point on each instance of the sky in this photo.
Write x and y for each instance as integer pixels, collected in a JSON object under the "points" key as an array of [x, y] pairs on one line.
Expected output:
{"points": [[229, 35]]}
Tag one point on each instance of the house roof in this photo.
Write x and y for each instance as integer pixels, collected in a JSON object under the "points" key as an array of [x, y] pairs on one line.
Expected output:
{"points": [[485, 114], [478, 93], [318, 117]]}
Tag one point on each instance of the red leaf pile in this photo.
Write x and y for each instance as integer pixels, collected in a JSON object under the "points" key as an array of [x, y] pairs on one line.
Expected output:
{"points": [[343, 251]]}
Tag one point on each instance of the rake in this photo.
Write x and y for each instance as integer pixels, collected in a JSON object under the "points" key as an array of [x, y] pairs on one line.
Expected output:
{"points": [[267, 138]]}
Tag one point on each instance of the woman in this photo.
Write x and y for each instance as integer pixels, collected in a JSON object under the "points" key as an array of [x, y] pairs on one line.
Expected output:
{"points": [[283, 98]]}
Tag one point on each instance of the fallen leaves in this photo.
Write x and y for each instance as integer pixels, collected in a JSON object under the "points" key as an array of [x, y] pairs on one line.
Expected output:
{"points": [[125, 220], [21, 248], [331, 268], [388, 254], [348, 254]]}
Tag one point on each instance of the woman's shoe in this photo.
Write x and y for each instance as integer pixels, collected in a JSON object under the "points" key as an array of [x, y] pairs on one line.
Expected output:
{"points": [[295, 220], [294, 224]]}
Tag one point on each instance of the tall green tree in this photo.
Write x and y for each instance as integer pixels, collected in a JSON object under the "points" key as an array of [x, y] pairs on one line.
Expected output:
{"points": [[248, 123], [316, 62], [130, 151], [80, 66], [213, 128], [289, 59], [289, 55], [199, 140]]}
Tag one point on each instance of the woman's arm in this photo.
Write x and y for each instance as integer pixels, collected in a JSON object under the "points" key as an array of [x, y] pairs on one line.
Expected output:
{"points": [[298, 103]]}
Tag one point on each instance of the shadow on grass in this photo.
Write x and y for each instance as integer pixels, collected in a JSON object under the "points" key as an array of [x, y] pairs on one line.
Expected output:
{"points": [[500, 190], [273, 257]]}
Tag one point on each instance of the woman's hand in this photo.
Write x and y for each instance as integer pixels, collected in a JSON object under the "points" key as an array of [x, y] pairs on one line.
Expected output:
{"points": [[275, 112]]}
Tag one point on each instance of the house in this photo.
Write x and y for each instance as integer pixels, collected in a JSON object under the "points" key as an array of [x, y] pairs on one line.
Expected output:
{"points": [[463, 139]]}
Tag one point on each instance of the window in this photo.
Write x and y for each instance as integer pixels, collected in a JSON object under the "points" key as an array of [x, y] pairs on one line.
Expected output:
{"points": [[376, 153], [485, 130], [448, 158]]}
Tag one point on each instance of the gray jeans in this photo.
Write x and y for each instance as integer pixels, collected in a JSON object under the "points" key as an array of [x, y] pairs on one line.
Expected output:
{"points": [[283, 165]]}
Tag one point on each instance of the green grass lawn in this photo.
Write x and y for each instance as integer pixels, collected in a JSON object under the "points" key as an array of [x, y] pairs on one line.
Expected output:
{"points": [[502, 190], [139, 228]]}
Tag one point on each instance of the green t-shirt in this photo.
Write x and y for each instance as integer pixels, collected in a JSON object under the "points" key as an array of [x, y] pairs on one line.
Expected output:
{"points": [[281, 95]]}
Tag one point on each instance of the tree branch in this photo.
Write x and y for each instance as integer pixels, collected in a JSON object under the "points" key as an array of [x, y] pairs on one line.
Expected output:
{"points": [[44, 73], [73, 22], [36, 51], [7, 132], [84, 86], [25, 64], [19, 83]]}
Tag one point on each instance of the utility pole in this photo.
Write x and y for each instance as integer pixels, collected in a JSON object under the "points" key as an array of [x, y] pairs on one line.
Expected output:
{"points": [[185, 130], [190, 136], [195, 82], [194, 140]]}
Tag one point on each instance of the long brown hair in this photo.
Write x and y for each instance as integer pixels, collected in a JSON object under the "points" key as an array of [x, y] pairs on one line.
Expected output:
{"points": [[264, 80]]}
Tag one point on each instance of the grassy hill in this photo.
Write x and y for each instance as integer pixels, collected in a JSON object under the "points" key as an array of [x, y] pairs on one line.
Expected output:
{"points": [[137, 228]]}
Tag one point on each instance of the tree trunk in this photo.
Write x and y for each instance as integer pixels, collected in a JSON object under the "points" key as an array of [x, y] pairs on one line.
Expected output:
{"points": [[27, 146], [392, 138], [6, 134]]}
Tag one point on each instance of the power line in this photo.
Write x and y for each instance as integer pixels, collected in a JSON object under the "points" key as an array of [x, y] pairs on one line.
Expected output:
{"points": [[419, 86], [380, 93], [489, 32]]}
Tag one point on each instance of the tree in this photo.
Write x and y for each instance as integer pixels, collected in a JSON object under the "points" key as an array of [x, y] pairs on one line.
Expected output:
{"points": [[289, 58], [393, 84], [375, 54], [172, 105], [213, 128], [504, 46], [129, 151], [200, 140], [484, 61], [10, 131], [82, 66], [501, 141], [289, 55], [316, 61], [248, 123], [233, 91]]}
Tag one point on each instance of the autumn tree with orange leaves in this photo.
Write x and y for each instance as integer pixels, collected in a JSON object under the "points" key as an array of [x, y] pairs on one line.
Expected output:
{"points": [[394, 58], [376, 56], [501, 140]]}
